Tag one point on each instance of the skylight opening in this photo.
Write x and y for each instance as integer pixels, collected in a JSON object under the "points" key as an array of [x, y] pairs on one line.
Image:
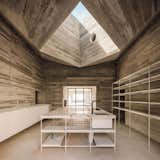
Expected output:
{"points": [[80, 12], [97, 33]]}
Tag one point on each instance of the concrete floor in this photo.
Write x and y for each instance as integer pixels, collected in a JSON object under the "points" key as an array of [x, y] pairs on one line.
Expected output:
{"points": [[26, 146]]}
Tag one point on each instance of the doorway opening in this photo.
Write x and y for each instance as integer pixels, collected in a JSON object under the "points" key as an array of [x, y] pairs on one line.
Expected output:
{"points": [[79, 98], [36, 97]]}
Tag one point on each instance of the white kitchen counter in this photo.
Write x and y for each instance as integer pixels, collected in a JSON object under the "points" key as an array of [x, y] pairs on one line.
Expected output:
{"points": [[15, 119]]}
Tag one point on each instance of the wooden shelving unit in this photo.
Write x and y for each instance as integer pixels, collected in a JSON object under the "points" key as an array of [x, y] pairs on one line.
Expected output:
{"points": [[58, 129], [143, 83]]}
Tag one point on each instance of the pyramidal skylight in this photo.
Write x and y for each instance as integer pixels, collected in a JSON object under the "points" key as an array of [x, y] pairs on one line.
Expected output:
{"points": [[98, 34], [80, 41]]}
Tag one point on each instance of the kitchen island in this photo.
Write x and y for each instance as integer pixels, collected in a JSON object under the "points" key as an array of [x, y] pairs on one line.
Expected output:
{"points": [[64, 128]]}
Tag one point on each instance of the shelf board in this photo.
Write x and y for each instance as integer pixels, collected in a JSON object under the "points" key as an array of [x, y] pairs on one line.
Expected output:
{"points": [[131, 111], [138, 113], [79, 140], [134, 75], [104, 146], [116, 88], [50, 146], [102, 130], [157, 90], [134, 83], [53, 127], [55, 141], [115, 95], [102, 140], [52, 131], [155, 103], [141, 72], [78, 146], [116, 82], [153, 66], [155, 78], [138, 82], [137, 102], [137, 92], [77, 131]]}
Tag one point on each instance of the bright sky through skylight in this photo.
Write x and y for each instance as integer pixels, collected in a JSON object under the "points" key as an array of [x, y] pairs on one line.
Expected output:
{"points": [[80, 12]]}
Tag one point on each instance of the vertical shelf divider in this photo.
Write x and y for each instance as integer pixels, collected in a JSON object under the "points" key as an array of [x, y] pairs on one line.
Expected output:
{"points": [[130, 107], [112, 96], [149, 109], [119, 103]]}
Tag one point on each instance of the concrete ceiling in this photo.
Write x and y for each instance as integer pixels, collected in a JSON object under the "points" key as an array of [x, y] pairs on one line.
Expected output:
{"points": [[38, 20], [64, 44], [71, 42]]}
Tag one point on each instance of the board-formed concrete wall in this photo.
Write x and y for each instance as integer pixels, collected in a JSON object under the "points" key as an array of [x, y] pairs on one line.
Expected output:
{"points": [[57, 76], [64, 43], [95, 51], [144, 52], [20, 69]]}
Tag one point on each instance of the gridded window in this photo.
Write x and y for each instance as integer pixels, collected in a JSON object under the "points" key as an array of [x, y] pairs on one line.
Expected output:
{"points": [[79, 98]]}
